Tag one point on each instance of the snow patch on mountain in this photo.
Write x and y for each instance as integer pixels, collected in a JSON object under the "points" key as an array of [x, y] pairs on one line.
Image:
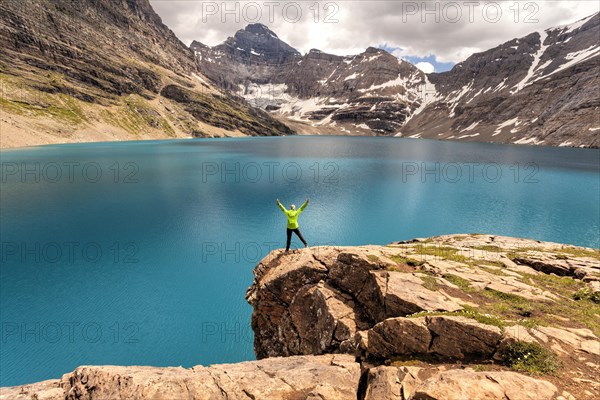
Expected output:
{"points": [[534, 65], [531, 140], [470, 127], [575, 58], [505, 124], [468, 136]]}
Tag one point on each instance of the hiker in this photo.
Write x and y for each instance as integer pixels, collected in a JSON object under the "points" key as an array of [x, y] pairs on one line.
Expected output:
{"points": [[292, 226]]}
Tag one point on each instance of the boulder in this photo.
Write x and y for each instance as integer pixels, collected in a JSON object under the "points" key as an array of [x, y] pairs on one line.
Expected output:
{"points": [[323, 319], [406, 295], [463, 338], [467, 384], [398, 337], [390, 383], [352, 274], [444, 337]]}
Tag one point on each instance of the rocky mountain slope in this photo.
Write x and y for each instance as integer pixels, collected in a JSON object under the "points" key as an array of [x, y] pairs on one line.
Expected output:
{"points": [[452, 317], [107, 70], [539, 89], [372, 92]]}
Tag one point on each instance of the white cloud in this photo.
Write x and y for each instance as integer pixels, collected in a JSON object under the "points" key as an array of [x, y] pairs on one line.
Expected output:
{"points": [[426, 67], [419, 28]]}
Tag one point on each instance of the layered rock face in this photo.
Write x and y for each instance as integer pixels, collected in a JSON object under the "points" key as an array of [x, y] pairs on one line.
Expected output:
{"points": [[539, 89], [97, 70]]}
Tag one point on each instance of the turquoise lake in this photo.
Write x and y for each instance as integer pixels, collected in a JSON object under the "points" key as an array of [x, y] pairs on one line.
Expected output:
{"points": [[140, 253]]}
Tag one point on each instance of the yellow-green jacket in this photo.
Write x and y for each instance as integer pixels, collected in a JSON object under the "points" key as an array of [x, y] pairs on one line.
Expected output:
{"points": [[292, 215]]}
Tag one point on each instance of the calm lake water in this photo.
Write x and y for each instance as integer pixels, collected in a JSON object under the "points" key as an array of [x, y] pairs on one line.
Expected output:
{"points": [[141, 252]]}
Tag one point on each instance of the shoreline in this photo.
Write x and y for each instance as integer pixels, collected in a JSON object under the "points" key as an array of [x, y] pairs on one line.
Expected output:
{"points": [[235, 137]]}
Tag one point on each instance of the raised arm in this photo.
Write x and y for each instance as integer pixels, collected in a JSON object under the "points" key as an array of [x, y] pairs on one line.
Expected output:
{"points": [[303, 206], [281, 206]]}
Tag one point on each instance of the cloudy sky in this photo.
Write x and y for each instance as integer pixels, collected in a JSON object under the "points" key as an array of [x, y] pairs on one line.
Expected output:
{"points": [[430, 34]]}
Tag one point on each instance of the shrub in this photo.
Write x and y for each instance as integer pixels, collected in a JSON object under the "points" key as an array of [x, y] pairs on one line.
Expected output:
{"points": [[531, 358]]}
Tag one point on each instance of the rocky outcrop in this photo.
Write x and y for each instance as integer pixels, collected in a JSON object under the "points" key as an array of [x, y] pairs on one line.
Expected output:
{"points": [[330, 377], [448, 301]]}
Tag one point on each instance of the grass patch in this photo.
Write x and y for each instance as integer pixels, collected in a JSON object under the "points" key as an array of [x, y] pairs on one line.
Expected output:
{"points": [[574, 303], [507, 297], [404, 260], [430, 283], [442, 252], [66, 109], [462, 283], [508, 303], [467, 312], [575, 252], [530, 358], [373, 258], [532, 322], [488, 247], [136, 115], [493, 271], [562, 285], [481, 368]]}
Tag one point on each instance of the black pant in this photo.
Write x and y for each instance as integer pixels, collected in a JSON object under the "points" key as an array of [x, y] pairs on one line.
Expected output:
{"points": [[289, 237]]}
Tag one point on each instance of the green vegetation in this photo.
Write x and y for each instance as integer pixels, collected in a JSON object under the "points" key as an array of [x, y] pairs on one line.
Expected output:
{"points": [[489, 248], [576, 252], [530, 358], [481, 367], [442, 252], [508, 304], [66, 109], [462, 283], [404, 260], [430, 283], [507, 297], [373, 258], [562, 285], [467, 312], [573, 301], [493, 271], [560, 254], [135, 115], [587, 294]]}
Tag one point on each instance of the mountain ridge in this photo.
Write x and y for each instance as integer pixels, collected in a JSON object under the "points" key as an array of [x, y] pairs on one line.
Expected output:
{"points": [[317, 92]]}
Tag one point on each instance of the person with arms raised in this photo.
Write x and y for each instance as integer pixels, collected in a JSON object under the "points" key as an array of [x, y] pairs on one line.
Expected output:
{"points": [[292, 225]]}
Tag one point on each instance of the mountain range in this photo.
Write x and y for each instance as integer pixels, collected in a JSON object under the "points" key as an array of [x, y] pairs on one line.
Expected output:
{"points": [[539, 89]]}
